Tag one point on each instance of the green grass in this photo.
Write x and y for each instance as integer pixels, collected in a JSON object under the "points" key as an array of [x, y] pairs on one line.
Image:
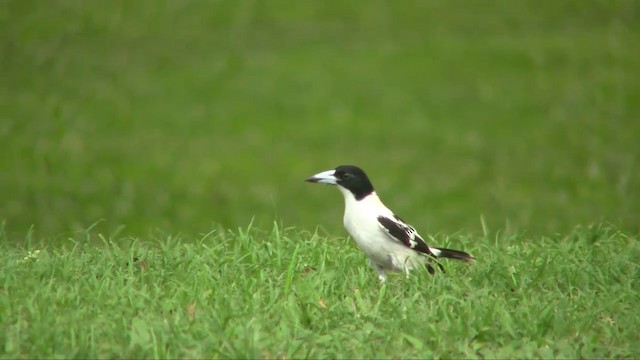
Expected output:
{"points": [[130, 128], [293, 294], [183, 114]]}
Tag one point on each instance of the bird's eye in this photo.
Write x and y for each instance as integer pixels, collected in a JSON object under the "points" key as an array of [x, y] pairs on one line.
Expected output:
{"points": [[347, 176]]}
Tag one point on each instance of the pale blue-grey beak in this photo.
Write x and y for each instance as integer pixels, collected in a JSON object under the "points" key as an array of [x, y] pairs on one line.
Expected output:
{"points": [[325, 177]]}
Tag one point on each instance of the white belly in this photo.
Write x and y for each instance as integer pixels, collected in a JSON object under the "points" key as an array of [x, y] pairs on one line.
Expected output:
{"points": [[381, 249]]}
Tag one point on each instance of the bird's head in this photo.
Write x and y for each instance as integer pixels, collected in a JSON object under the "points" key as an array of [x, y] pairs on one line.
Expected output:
{"points": [[347, 177]]}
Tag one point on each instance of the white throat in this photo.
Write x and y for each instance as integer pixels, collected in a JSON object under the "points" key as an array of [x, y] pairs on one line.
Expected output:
{"points": [[369, 204]]}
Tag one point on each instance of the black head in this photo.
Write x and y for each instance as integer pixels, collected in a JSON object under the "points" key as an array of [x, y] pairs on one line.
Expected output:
{"points": [[349, 177]]}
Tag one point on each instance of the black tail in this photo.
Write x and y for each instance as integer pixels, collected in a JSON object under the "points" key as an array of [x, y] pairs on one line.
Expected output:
{"points": [[455, 254]]}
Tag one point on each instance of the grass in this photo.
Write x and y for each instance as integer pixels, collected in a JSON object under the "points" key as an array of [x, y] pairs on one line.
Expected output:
{"points": [[288, 293], [121, 118], [182, 114]]}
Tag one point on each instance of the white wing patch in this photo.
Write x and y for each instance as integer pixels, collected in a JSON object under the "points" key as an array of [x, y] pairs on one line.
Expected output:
{"points": [[404, 233]]}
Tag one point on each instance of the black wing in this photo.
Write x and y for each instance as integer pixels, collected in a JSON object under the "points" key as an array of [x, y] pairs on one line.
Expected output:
{"points": [[404, 233]]}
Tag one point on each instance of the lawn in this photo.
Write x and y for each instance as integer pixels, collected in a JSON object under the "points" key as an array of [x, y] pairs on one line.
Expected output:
{"points": [[182, 114], [130, 129], [292, 294]]}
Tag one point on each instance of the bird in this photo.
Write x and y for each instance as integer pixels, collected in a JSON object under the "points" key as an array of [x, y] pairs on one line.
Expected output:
{"points": [[391, 244]]}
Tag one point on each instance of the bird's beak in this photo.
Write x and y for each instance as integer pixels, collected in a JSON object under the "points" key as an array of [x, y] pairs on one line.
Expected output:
{"points": [[325, 177]]}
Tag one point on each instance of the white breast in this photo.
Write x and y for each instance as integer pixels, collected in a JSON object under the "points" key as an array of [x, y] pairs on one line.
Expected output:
{"points": [[361, 221]]}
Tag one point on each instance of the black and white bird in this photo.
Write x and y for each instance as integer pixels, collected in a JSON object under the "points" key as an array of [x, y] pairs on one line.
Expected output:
{"points": [[389, 242]]}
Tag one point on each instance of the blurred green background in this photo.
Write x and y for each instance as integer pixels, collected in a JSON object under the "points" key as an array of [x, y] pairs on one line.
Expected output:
{"points": [[180, 115]]}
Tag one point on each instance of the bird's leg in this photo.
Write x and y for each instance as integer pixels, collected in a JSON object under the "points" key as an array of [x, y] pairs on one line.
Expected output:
{"points": [[382, 275]]}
